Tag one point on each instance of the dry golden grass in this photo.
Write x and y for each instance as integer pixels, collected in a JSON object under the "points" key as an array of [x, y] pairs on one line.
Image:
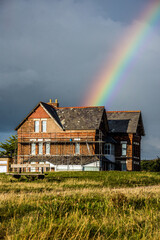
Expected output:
{"points": [[78, 208]]}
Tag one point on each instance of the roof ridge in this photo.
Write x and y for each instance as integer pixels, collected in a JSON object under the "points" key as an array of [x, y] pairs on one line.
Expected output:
{"points": [[81, 107], [123, 111]]}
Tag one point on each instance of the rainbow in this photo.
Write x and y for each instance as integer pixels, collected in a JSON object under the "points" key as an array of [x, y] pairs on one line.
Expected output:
{"points": [[118, 65]]}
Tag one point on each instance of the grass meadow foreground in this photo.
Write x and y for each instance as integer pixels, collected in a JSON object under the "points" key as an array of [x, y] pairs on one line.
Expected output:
{"points": [[81, 205]]}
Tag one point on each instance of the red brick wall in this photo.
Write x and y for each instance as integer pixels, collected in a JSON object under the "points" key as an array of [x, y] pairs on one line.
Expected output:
{"points": [[59, 139], [133, 150], [39, 113]]}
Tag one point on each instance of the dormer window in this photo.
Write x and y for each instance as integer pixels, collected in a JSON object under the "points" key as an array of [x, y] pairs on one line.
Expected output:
{"points": [[36, 125]]}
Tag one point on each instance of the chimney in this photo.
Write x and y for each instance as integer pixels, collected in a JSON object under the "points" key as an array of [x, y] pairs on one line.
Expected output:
{"points": [[54, 104]]}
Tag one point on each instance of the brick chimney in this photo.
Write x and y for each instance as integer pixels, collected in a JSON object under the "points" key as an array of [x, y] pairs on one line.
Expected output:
{"points": [[54, 104]]}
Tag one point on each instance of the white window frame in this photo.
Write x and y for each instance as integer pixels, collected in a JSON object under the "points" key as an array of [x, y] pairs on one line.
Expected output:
{"points": [[48, 148], [36, 126], [44, 126], [40, 148], [33, 148], [107, 149]]}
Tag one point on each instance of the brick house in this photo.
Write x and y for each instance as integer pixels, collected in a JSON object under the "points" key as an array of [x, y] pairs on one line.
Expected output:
{"points": [[126, 128], [68, 138], [80, 138]]}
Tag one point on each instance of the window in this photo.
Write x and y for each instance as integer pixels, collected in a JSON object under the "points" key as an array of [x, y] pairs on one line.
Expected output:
{"points": [[107, 148], [77, 148], [47, 148], [124, 149], [33, 148], [40, 148], [111, 166], [123, 167], [36, 126], [33, 169], [44, 126]]}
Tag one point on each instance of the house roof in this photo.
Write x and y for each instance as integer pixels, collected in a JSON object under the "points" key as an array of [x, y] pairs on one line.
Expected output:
{"points": [[125, 122], [72, 118], [81, 118], [65, 160], [69, 160], [109, 139]]}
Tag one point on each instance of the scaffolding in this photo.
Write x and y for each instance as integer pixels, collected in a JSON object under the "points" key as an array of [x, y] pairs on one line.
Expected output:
{"points": [[62, 147]]}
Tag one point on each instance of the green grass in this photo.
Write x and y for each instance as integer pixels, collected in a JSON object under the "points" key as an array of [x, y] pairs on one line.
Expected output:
{"points": [[81, 205], [109, 179]]}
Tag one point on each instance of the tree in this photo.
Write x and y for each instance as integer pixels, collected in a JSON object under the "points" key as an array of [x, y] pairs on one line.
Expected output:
{"points": [[9, 147]]}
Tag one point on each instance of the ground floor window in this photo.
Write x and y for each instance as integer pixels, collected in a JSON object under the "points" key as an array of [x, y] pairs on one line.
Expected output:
{"points": [[111, 166], [33, 169], [123, 167]]}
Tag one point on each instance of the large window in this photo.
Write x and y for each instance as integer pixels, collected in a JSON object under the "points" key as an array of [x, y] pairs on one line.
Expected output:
{"points": [[48, 148], [40, 148], [124, 149], [109, 149], [44, 126], [33, 148], [36, 125]]}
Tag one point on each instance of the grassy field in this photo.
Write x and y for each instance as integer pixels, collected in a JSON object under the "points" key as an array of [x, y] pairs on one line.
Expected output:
{"points": [[81, 205]]}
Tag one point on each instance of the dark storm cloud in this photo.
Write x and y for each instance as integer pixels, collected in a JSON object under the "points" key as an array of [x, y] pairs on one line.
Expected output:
{"points": [[48, 49], [53, 49]]}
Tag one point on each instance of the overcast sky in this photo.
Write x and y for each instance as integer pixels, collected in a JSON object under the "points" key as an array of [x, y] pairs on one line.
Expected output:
{"points": [[54, 48]]}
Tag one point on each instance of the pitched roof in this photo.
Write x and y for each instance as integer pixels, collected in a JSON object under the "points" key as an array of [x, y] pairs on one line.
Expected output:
{"points": [[80, 118], [72, 118], [52, 112], [125, 121], [49, 109]]}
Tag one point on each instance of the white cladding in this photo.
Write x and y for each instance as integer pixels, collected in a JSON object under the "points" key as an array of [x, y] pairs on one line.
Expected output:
{"points": [[3, 162], [93, 165]]}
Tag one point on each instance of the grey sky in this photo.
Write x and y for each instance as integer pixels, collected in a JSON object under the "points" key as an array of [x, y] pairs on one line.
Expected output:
{"points": [[54, 48]]}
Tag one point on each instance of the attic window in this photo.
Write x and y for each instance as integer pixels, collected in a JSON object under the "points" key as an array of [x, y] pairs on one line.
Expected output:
{"points": [[44, 126], [36, 125]]}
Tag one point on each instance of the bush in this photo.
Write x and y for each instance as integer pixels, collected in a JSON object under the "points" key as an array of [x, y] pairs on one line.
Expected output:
{"points": [[151, 165]]}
